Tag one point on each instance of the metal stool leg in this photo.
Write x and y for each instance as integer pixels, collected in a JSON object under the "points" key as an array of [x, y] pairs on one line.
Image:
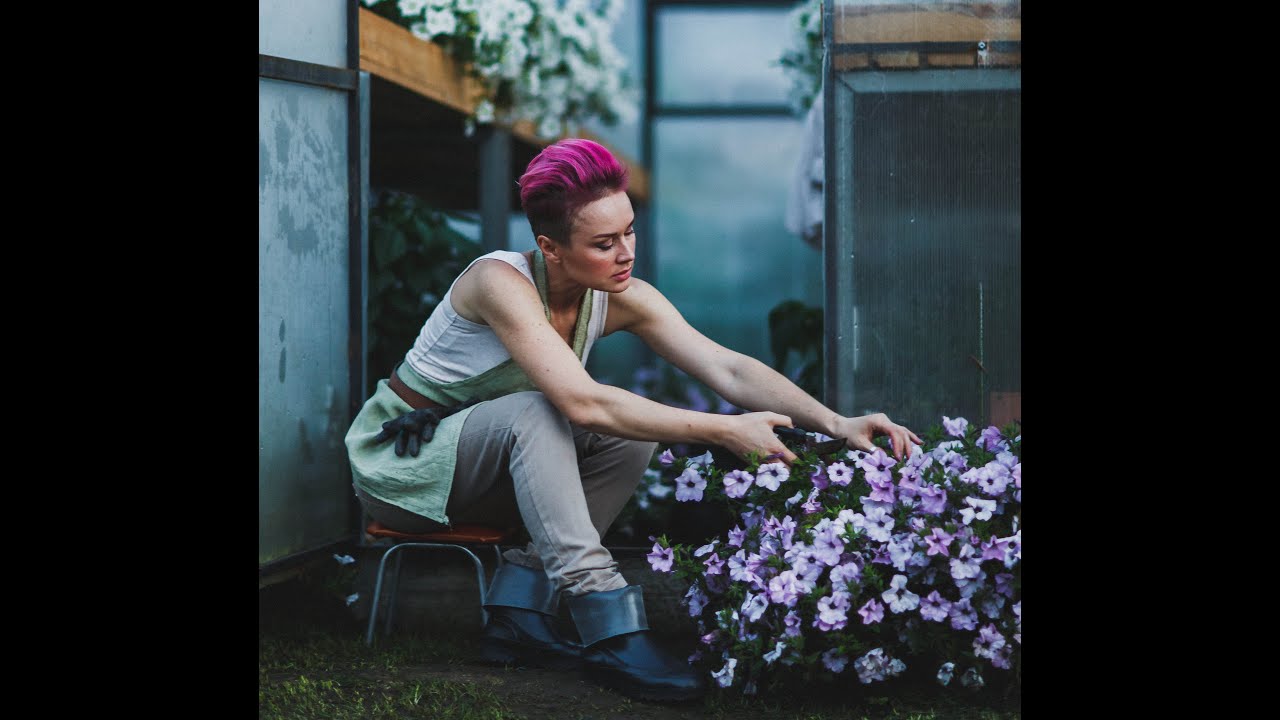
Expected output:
{"points": [[394, 595], [377, 596]]}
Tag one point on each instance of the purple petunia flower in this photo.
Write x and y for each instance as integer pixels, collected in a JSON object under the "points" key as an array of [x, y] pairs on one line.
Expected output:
{"points": [[938, 542], [933, 499], [963, 616], [995, 549], [689, 485], [736, 536], [1004, 585], [871, 612], [934, 607], [834, 661], [819, 478], [660, 558], [666, 458], [995, 479], [909, 486], [955, 428], [833, 611], [791, 624], [953, 463], [827, 546], [737, 483], [1000, 658], [988, 641], [754, 606], [714, 564], [878, 525], [771, 475], [697, 600], [839, 473], [772, 656], [992, 605], [900, 551], [882, 489], [787, 531], [945, 672], [965, 566], [876, 466], [812, 505], [969, 586], [785, 589], [898, 597], [724, 676], [874, 666], [738, 571], [846, 573], [978, 508], [991, 440]]}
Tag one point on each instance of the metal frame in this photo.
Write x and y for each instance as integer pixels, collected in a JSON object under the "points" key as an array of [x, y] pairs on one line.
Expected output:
{"points": [[392, 592], [840, 93], [357, 86]]}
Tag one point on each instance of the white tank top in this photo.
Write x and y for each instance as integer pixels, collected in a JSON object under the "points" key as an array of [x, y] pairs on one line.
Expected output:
{"points": [[452, 348]]}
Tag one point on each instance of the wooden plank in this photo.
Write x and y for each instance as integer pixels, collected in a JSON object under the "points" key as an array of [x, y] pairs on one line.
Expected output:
{"points": [[1001, 59], [904, 25], [951, 59], [395, 54], [851, 61], [903, 59], [1006, 407]]}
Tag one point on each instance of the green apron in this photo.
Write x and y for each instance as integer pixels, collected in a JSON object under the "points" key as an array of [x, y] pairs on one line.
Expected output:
{"points": [[421, 484]]}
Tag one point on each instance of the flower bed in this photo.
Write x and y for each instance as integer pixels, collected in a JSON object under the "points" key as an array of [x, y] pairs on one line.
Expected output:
{"points": [[854, 562]]}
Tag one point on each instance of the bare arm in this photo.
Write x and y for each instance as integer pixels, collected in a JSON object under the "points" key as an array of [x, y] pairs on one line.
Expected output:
{"points": [[505, 300], [740, 379]]}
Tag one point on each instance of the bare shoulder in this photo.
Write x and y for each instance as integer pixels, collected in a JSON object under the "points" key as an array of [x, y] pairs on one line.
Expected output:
{"points": [[486, 284], [631, 308]]}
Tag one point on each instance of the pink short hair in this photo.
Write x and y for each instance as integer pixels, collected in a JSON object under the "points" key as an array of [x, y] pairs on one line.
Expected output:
{"points": [[562, 178]]}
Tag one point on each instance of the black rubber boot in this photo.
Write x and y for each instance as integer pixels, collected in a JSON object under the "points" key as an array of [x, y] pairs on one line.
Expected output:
{"points": [[620, 653], [521, 630]]}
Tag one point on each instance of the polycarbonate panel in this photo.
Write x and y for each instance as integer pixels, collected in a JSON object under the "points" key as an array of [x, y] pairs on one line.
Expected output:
{"points": [[719, 56], [304, 491], [930, 195], [724, 257], [313, 31]]}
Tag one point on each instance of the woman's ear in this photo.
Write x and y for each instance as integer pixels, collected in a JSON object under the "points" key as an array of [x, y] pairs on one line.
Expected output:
{"points": [[550, 250]]}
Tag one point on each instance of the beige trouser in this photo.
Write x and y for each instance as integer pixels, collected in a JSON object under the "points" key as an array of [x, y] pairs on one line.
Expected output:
{"points": [[520, 461]]}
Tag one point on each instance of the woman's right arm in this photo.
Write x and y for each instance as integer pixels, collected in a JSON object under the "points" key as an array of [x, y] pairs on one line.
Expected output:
{"points": [[505, 300]]}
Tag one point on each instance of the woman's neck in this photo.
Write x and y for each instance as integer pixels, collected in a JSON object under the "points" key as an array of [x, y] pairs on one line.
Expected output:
{"points": [[563, 294]]}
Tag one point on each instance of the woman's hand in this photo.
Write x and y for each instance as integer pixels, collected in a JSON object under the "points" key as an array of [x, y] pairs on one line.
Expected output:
{"points": [[858, 432], [754, 432]]}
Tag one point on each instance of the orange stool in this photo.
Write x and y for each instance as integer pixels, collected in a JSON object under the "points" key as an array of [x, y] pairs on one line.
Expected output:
{"points": [[460, 537]]}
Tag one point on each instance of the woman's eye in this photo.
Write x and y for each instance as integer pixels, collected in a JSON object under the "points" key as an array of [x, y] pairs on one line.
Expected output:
{"points": [[605, 246], [631, 231]]}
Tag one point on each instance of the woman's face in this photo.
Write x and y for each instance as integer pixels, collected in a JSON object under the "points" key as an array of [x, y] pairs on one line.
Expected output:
{"points": [[602, 247]]}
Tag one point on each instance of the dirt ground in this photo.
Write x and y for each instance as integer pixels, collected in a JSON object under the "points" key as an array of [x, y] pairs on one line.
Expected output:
{"points": [[304, 632]]}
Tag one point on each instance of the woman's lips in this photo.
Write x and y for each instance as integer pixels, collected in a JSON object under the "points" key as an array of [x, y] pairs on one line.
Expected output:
{"points": [[622, 275]]}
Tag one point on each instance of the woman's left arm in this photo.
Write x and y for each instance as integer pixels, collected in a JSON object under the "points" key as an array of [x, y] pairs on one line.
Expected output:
{"points": [[740, 379]]}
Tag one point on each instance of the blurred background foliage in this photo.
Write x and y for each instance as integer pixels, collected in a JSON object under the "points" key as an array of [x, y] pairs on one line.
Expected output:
{"points": [[414, 257]]}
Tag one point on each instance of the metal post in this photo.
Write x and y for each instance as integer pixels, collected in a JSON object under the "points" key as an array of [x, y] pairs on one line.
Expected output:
{"points": [[496, 186]]}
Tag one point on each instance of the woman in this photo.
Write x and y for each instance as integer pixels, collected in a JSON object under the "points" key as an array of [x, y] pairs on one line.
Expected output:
{"points": [[517, 431]]}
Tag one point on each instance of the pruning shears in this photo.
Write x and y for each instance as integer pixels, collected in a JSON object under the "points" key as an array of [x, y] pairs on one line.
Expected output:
{"points": [[821, 447]]}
